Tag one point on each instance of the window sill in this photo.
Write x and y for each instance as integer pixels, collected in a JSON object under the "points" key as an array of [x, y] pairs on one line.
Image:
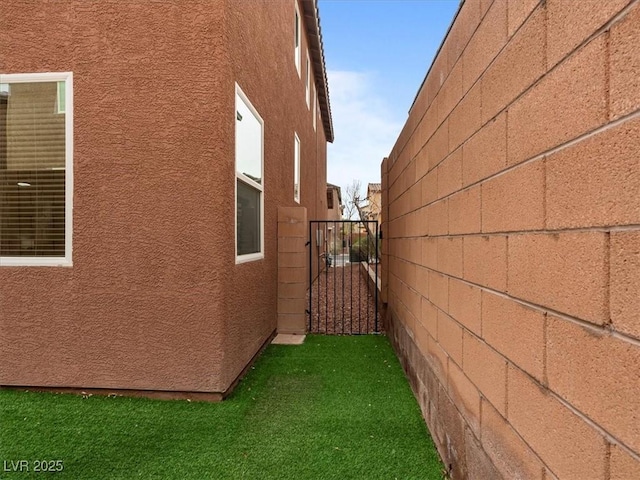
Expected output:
{"points": [[35, 262], [251, 257]]}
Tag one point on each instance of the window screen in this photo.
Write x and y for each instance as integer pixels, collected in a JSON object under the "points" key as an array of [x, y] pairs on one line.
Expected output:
{"points": [[248, 218]]}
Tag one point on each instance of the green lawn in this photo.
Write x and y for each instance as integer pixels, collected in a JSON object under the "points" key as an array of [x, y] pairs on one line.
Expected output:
{"points": [[335, 407]]}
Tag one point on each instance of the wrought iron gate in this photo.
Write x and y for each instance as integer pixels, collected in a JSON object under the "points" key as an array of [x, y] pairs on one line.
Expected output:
{"points": [[343, 276]]}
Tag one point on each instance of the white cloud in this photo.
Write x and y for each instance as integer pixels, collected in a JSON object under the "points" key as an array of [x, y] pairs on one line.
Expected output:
{"points": [[364, 126]]}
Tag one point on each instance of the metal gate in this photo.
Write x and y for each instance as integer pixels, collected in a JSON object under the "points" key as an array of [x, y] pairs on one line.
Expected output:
{"points": [[343, 276]]}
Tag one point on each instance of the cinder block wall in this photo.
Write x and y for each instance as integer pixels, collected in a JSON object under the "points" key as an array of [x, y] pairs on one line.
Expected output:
{"points": [[512, 236]]}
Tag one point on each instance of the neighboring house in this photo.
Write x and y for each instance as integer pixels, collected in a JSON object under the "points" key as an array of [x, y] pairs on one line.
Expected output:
{"points": [[145, 148], [372, 210], [334, 202]]}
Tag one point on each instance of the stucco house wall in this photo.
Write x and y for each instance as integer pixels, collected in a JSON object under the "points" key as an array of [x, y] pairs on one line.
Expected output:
{"points": [[154, 300], [270, 79], [511, 203]]}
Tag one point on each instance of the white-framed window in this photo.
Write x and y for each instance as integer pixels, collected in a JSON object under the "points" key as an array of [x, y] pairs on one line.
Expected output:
{"points": [[296, 167], [308, 86], [249, 161], [297, 37], [36, 169], [315, 106]]}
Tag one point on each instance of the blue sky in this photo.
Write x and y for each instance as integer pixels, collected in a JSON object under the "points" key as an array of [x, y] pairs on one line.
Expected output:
{"points": [[377, 53]]}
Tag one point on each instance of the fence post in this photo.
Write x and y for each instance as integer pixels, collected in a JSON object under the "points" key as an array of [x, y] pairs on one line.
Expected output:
{"points": [[292, 269], [384, 229]]}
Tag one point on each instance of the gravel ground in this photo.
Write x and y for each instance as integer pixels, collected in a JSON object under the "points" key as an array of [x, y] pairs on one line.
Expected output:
{"points": [[342, 304]]}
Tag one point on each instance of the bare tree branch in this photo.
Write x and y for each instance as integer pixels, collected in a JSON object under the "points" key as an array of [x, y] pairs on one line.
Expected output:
{"points": [[351, 199], [353, 207], [367, 226]]}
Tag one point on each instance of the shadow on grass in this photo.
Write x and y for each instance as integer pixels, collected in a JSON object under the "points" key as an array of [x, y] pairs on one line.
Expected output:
{"points": [[335, 407]]}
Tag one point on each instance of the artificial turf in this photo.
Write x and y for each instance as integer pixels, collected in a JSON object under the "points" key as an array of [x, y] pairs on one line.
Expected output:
{"points": [[335, 407]]}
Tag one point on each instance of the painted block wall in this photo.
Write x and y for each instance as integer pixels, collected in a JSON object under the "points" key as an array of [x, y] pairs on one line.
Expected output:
{"points": [[511, 202]]}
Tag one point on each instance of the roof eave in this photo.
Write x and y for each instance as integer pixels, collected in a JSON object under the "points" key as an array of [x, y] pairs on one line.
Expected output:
{"points": [[316, 50]]}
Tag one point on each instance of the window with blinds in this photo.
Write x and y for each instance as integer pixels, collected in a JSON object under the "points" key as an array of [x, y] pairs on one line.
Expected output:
{"points": [[35, 169]]}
